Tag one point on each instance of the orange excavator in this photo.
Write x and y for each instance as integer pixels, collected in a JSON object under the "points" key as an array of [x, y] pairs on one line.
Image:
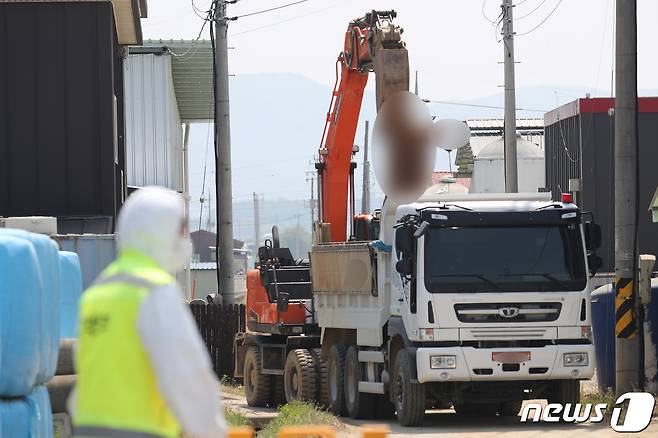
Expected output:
{"points": [[372, 43], [279, 358]]}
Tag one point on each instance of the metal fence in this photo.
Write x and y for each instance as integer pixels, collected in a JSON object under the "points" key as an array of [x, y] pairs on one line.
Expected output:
{"points": [[218, 325]]}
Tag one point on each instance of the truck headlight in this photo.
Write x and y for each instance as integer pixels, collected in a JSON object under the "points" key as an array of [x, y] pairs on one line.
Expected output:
{"points": [[443, 362], [575, 359], [426, 334]]}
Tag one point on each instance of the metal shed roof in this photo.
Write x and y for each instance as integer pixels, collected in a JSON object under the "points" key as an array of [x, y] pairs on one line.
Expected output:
{"points": [[191, 69]]}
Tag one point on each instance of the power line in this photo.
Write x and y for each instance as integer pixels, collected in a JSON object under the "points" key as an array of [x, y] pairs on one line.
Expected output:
{"points": [[276, 23], [269, 9], [531, 12], [484, 3], [475, 105], [205, 19], [541, 22]]}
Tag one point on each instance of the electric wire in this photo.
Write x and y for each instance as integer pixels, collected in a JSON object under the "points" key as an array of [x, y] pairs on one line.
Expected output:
{"points": [[564, 143], [541, 22], [531, 12], [203, 184], [276, 23], [484, 3], [194, 46], [475, 105], [262, 11]]}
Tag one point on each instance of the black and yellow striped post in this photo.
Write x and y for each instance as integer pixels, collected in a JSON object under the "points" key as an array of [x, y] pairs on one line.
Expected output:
{"points": [[625, 316]]}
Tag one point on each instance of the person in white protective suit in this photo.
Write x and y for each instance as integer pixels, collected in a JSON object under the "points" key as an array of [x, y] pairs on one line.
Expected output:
{"points": [[143, 370]]}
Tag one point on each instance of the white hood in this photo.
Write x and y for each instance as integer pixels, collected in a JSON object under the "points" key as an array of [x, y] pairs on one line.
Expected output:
{"points": [[151, 222]]}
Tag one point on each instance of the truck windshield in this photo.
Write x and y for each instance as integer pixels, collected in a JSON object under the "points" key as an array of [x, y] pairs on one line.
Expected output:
{"points": [[504, 259]]}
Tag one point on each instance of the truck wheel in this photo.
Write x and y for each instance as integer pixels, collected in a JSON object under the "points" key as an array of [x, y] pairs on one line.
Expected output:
{"points": [[336, 368], [564, 391], [360, 405], [510, 408], [299, 376], [278, 392], [409, 398], [321, 379], [256, 384]]}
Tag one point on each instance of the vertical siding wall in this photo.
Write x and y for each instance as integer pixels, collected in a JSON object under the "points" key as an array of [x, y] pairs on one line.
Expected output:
{"points": [[153, 127], [589, 139], [58, 146]]}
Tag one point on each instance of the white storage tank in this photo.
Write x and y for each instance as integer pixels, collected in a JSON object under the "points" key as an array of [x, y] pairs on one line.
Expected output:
{"points": [[446, 185], [489, 167]]}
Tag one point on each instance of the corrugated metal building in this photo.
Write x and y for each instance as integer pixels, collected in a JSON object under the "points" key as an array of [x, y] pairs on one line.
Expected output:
{"points": [[204, 282], [61, 106], [154, 134], [579, 147]]}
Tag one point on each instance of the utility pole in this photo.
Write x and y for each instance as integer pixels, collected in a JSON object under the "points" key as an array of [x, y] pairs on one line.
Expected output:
{"points": [[511, 179], [224, 200], [310, 176], [365, 193], [256, 222], [628, 342], [186, 194], [415, 87], [297, 232], [209, 218]]}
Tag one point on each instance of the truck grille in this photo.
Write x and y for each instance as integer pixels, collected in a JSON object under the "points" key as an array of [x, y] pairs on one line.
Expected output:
{"points": [[507, 312], [507, 333]]}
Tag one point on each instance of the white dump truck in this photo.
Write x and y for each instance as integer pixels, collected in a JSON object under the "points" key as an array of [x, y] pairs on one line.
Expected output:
{"points": [[475, 301]]}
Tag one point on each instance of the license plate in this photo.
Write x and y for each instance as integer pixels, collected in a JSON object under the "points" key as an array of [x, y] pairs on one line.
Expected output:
{"points": [[510, 356]]}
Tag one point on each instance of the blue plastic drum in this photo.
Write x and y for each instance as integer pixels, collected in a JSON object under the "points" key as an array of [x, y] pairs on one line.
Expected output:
{"points": [[603, 328]]}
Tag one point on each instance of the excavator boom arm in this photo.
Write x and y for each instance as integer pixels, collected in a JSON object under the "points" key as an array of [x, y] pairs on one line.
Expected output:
{"points": [[372, 43]]}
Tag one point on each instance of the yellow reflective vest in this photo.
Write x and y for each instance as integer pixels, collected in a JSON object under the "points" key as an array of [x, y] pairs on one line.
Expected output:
{"points": [[117, 389]]}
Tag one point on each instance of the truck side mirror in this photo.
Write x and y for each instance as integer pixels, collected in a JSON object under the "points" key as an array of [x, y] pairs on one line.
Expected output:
{"points": [[594, 262], [404, 266], [403, 240], [282, 301], [421, 229], [592, 236]]}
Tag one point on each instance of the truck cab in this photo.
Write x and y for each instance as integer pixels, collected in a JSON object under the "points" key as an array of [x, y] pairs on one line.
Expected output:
{"points": [[490, 296]]}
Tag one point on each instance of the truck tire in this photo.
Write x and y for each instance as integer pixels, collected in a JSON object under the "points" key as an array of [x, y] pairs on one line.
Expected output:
{"points": [[277, 392], [510, 408], [321, 379], [336, 369], [564, 391], [409, 398], [299, 376], [359, 405], [256, 384]]}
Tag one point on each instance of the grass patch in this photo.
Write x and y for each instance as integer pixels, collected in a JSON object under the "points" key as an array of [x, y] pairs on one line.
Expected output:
{"points": [[607, 398], [595, 398], [234, 419], [298, 414], [231, 386]]}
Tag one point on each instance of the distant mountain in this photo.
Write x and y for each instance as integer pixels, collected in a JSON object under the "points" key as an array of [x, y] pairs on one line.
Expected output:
{"points": [[276, 127]]}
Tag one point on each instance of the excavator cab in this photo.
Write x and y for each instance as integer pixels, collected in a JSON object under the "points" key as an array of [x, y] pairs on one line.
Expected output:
{"points": [[279, 292]]}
